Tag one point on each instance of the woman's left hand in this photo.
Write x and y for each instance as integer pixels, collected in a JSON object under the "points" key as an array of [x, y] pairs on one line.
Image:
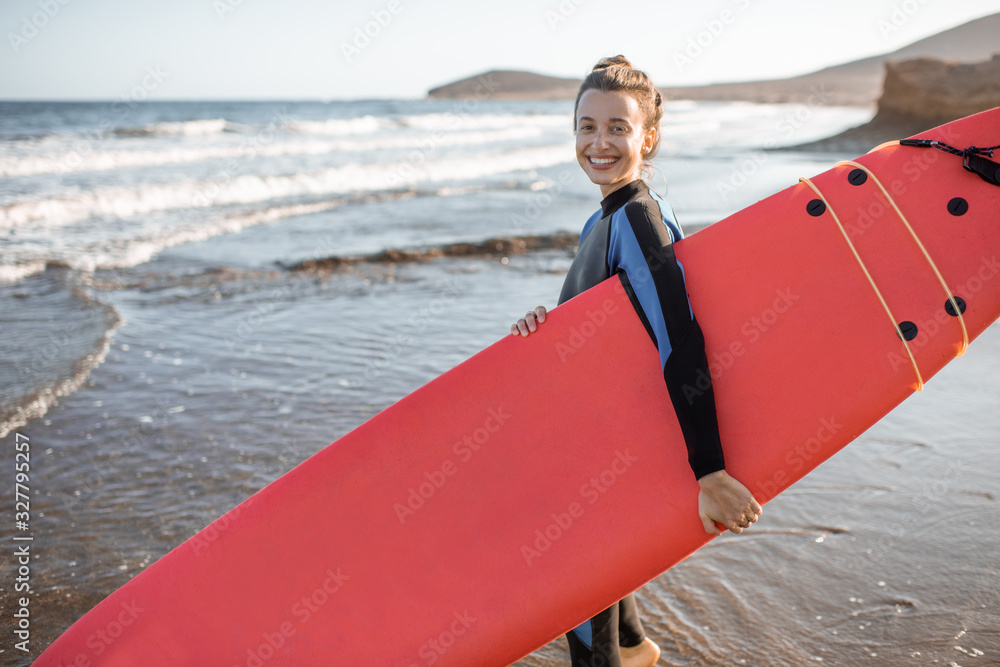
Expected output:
{"points": [[724, 500]]}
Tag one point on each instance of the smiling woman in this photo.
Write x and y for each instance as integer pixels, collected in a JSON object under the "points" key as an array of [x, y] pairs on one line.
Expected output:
{"points": [[611, 150], [617, 124], [616, 134]]}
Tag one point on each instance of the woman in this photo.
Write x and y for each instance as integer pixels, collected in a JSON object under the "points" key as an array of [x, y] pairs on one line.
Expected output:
{"points": [[617, 126]]}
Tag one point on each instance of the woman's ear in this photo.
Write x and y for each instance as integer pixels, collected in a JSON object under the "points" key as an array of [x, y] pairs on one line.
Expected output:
{"points": [[648, 140]]}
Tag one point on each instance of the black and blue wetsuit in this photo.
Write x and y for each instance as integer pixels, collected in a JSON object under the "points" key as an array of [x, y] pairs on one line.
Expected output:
{"points": [[631, 236]]}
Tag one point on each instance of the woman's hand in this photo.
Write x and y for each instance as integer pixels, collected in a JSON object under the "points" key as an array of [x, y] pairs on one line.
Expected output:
{"points": [[529, 323], [725, 500]]}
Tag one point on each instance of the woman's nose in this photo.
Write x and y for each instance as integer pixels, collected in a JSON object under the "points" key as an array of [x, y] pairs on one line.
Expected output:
{"points": [[601, 139]]}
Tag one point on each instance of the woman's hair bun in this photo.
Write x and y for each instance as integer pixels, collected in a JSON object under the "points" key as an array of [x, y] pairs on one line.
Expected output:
{"points": [[613, 61]]}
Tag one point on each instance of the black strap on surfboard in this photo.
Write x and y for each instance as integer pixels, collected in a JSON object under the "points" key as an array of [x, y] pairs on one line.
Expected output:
{"points": [[972, 157]]}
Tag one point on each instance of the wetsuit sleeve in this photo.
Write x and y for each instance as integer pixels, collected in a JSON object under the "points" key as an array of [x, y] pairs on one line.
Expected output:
{"points": [[640, 247]]}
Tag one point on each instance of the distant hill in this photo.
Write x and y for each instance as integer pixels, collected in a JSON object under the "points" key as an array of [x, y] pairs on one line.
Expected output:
{"points": [[855, 83], [508, 84]]}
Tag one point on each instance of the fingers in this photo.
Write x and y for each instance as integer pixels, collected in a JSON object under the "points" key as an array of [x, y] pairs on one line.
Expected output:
{"points": [[529, 323], [754, 511], [739, 526], [749, 518], [709, 525], [737, 522], [728, 501]]}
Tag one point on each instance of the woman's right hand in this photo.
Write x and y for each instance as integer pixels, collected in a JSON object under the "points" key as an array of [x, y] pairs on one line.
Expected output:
{"points": [[529, 323]]}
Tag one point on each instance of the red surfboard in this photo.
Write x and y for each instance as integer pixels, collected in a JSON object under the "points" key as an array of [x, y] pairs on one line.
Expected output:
{"points": [[482, 516]]}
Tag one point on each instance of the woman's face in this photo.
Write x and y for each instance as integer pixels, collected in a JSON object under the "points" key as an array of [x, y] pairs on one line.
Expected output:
{"points": [[610, 140]]}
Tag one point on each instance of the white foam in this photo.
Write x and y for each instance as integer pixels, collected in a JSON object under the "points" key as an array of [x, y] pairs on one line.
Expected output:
{"points": [[36, 405], [123, 202], [140, 245], [11, 273], [448, 121], [189, 128], [339, 126], [73, 161]]}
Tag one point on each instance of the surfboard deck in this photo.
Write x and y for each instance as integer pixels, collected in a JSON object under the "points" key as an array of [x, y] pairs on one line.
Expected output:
{"points": [[543, 479]]}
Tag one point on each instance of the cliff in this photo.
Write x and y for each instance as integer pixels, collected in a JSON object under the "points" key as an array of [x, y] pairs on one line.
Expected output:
{"points": [[934, 91], [920, 94]]}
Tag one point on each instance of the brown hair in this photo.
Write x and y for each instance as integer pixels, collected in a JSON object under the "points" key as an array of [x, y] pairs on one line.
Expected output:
{"points": [[617, 74]]}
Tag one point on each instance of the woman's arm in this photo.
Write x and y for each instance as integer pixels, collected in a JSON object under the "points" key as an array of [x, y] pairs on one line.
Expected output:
{"points": [[641, 247]]}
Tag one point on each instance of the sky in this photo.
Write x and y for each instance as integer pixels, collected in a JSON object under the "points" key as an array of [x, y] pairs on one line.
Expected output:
{"points": [[358, 49]]}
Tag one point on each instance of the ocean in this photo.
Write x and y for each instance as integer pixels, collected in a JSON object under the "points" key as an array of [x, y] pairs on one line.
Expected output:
{"points": [[197, 296]]}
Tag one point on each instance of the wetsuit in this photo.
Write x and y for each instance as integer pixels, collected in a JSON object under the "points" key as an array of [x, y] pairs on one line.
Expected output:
{"points": [[631, 236]]}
